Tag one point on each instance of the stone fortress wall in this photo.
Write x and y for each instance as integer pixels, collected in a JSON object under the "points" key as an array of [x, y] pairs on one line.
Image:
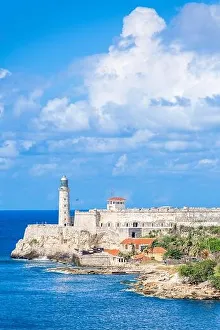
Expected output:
{"points": [[124, 221], [104, 227]]}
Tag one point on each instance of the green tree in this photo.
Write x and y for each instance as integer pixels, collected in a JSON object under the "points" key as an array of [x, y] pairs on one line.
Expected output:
{"points": [[173, 253]]}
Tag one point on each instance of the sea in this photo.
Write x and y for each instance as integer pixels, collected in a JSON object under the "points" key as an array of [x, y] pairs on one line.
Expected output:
{"points": [[32, 298]]}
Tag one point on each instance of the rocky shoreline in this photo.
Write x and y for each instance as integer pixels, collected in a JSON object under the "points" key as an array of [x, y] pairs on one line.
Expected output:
{"points": [[164, 282], [93, 271], [152, 280]]}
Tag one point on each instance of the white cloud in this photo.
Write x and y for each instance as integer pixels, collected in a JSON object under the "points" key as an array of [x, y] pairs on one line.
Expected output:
{"points": [[181, 145], [1, 109], [41, 169], [27, 144], [65, 116], [5, 163], [103, 145], [140, 68], [197, 26], [120, 165], [207, 162], [128, 166], [4, 73], [9, 149], [28, 103]]}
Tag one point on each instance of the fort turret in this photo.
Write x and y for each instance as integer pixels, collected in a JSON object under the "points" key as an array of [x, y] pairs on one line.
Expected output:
{"points": [[64, 203], [116, 203]]}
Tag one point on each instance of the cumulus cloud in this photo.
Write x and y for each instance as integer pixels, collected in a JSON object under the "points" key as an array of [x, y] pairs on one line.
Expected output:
{"points": [[143, 82], [156, 90], [148, 79], [64, 115], [28, 103], [197, 27]]}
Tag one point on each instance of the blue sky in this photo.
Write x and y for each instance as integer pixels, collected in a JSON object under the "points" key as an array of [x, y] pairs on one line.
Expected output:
{"points": [[123, 97]]}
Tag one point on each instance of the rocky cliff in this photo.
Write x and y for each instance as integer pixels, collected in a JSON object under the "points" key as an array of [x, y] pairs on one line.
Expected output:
{"points": [[60, 243]]}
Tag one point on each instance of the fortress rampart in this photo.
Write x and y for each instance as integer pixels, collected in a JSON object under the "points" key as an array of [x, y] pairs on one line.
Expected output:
{"points": [[147, 219], [105, 227]]}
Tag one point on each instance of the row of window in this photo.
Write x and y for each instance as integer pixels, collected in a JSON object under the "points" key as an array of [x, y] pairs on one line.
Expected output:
{"points": [[136, 224], [111, 202]]}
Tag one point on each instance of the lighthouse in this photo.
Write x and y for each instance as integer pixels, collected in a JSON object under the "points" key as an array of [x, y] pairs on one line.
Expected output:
{"points": [[64, 203]]}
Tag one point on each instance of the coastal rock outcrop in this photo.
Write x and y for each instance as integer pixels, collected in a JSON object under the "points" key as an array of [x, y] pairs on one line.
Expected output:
{"points": [[59, 243], [164, 282]]}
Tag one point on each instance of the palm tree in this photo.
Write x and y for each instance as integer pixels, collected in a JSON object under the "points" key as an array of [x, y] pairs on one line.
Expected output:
{"points": [[196, 246]]}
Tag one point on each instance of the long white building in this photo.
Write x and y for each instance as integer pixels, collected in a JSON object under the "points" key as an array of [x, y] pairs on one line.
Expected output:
{"points": [[135, 222]]}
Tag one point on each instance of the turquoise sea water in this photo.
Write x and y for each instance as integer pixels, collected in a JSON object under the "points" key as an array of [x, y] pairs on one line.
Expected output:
{"points": [[31, 298]]}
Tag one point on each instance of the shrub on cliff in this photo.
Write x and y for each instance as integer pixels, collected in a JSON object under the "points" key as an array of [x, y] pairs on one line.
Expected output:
{"points": [[215, 281], [173, 253], [199, 272], [213, 243]]}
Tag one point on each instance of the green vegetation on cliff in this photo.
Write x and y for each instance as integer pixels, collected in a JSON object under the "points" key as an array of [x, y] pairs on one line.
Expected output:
{"points": [[206, 270], [183, 241]]}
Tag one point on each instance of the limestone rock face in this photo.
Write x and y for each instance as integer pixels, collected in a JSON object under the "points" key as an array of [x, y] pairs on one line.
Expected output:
{"points": [[60, 243], [159, 281]]}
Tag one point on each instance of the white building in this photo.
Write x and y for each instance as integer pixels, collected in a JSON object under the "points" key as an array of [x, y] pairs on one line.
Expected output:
{"points": [[116, 203], [64, 203], [137, 222]]}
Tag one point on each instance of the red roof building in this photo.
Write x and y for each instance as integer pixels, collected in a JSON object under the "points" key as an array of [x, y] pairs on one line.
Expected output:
{"points": [[155, 253], [113, 252], [116, 203], [138, 241], [137, 244], [117, 199]]}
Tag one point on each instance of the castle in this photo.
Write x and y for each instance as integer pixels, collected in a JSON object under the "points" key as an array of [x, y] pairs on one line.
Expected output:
{"points": [[131, 222], [106, 228]]}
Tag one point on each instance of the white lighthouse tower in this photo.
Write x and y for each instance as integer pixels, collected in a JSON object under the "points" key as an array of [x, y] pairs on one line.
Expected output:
{"points": [[64, 203]]}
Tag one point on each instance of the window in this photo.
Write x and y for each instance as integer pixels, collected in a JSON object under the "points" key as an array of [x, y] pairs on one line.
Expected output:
{"points": [[127, 224], [101, 224], [109, 225], [135, 224], [126, 247], [118, 224]]}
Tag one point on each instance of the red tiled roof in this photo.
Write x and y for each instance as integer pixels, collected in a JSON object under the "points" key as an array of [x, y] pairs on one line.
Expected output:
{"points": [[138, 241], [116, 199], [159, 250], [113, 252], [139, 256], [145, 255]]}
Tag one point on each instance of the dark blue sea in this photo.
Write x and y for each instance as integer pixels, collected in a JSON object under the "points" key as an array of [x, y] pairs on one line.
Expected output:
{"points": [[31, 298]]}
